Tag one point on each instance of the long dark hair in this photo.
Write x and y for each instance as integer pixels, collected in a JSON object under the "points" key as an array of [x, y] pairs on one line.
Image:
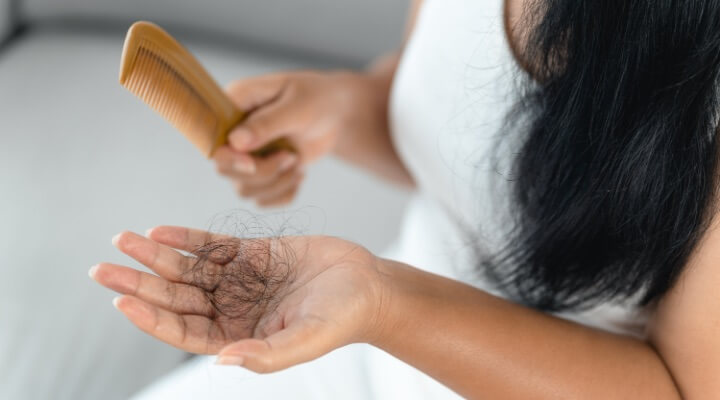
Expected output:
{"points": [[616, 178]]}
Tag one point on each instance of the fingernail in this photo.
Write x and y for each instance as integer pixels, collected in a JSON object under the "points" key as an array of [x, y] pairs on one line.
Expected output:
{"points": [[244, 166], [288, 162], [147, 232], [115, 302], [115, 239], [92, 271], [240, 139], [230, 360]]}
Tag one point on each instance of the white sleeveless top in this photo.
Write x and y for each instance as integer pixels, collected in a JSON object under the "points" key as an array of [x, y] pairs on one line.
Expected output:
{"points": [[452, 92]]}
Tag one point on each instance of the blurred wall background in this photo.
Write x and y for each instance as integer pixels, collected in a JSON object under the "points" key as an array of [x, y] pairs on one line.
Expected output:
{"points": [[82, 159], [4, 18], [331, 29]]}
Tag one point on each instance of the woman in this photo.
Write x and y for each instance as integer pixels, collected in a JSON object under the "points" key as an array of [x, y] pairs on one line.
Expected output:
{"points": [[578, 206]]}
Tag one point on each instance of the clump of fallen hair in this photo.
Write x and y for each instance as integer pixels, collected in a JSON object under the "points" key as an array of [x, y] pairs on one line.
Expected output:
{"points": [[243, 278]]}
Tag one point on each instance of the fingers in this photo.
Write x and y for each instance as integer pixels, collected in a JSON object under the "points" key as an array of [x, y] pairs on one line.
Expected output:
{"points": [[182, 238], [264, 192], [176, 297], [163, 260], [234, 164], [192, 333], [300, 342], [218, 249], [270, 181], [255, 171]]}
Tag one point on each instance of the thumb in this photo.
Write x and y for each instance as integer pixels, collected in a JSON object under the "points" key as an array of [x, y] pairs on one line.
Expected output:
{"points": [[303, 341], [263, 126], [249, 94]]}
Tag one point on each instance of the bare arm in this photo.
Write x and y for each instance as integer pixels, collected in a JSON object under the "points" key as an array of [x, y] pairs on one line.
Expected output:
{"points": [[485, 347], [686, 328], [374, 150], [482, 346]]}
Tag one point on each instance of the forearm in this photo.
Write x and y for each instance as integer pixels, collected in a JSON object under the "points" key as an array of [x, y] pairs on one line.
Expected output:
{"points": [[372, 149], [483, 346]]}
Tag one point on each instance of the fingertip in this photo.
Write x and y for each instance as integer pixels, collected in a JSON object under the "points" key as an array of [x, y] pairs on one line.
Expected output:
{"points": [[241, 139], [100, 272], [116, 239], [116, 302], [121, 239], [93, 271], [230, 360], [244, 164]]}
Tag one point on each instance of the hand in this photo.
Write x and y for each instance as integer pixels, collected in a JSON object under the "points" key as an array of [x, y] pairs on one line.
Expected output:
{"points": [[265, 304], [312, 110]]}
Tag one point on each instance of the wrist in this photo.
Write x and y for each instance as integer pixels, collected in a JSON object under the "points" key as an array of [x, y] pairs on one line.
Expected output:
{"points": [[390, 317]]}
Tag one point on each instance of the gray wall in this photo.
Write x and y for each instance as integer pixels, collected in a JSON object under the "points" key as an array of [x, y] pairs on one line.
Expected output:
{"points": [[4, 18], [347, 29]]}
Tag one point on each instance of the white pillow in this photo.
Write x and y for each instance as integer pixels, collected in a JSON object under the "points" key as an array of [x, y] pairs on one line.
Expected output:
{"points": [[346, 29]]}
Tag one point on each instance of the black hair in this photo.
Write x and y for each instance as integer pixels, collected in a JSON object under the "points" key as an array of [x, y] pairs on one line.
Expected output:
{"points": [[615, 179]]}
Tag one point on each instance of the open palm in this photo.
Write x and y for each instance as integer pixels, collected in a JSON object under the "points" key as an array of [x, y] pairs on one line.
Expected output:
{"points": [[266, 304]]}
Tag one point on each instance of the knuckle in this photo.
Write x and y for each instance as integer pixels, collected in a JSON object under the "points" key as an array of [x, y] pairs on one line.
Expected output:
{"points": [[260, 123]]}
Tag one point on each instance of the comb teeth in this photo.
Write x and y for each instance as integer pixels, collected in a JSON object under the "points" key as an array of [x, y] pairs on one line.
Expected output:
{"points": [[161, 86]]}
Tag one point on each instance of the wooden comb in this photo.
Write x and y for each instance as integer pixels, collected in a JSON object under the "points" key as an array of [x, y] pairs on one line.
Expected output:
{"points": [[160, 71]]}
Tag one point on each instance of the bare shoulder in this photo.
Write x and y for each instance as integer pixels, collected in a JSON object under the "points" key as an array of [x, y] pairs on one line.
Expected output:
{"points": [[686, 327]]}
